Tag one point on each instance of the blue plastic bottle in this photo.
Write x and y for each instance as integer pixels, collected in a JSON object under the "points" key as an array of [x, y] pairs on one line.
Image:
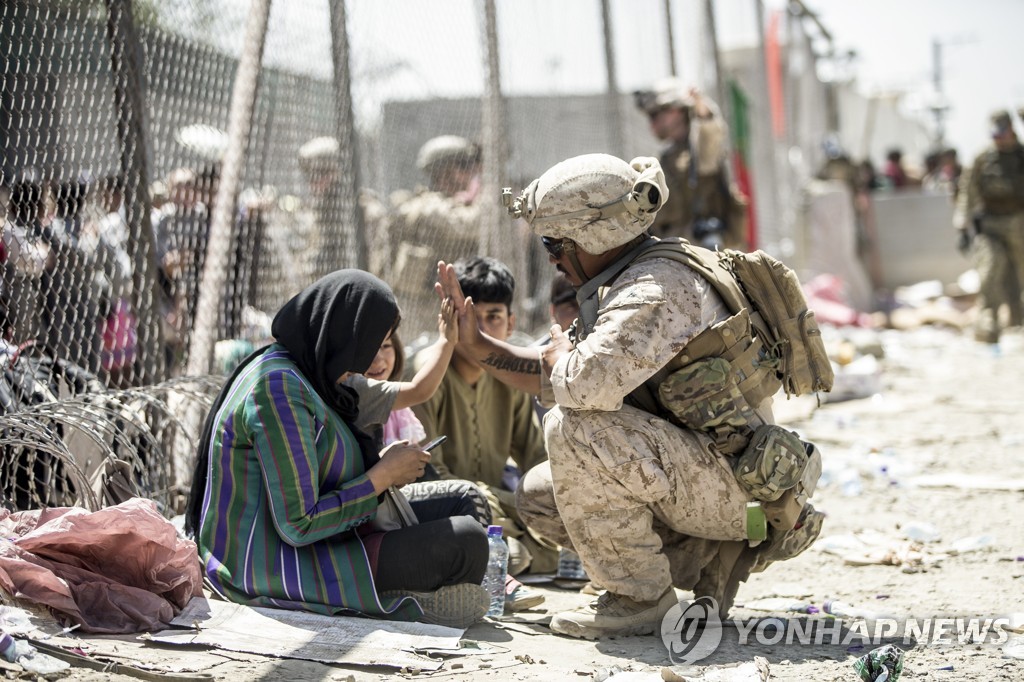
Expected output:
{"points": [[497, 569]]}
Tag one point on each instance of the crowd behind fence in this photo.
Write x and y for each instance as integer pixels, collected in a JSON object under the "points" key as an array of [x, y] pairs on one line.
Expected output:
{"points": [[172, 172]]}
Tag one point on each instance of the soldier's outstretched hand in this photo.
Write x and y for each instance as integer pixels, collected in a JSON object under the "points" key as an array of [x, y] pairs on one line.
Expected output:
{"points": [[448, 286]]}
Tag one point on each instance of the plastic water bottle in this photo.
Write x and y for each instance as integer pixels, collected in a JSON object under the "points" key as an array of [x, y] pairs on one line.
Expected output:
{"points": [[497, 569]]}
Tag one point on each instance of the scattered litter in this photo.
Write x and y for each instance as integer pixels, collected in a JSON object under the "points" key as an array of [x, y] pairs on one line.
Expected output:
{"points": [[1014, 648], [861, 378], [870, 547], [945, 667], [921, 531], [30, 658], [866, 548], [16, 621], [884, 664], [971, 543], [841, 609], [783, 604]]}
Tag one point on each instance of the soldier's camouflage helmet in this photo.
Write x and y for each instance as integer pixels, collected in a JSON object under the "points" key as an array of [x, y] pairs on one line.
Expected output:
{"points": [[447, 149], [597, 200], [666, 93]]}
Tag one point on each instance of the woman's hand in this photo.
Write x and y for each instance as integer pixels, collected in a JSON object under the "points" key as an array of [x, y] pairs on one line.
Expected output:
{"points": [[400, 463]]}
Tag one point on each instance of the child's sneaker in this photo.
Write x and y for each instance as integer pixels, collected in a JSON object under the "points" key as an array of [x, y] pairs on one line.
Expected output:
{"points": [[518, 597]]}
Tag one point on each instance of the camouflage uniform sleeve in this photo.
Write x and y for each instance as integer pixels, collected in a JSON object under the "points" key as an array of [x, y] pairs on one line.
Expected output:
{"points": [[709, 142], [639, 329]]}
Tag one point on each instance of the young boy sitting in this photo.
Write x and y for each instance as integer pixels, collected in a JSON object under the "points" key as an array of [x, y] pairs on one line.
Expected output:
{"points": [[488, 422]]}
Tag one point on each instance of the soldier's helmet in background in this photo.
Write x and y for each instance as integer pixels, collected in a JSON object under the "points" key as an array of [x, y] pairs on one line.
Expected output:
{"points": [[319, 154], [447, 150], [667, 93], [1001, 122]]}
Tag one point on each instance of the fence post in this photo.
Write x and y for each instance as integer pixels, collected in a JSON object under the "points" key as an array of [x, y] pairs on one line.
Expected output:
{"points": [[671, 40], [615, 138], [223, 227], [494, 226], [348, 141], [126, 68]]}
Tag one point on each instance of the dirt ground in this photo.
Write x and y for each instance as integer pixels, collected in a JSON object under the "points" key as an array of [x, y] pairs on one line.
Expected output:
{"points": [[945, 406]]}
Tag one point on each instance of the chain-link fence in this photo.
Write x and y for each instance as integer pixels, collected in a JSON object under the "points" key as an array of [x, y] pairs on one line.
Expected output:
{"points": [[173, 171]]}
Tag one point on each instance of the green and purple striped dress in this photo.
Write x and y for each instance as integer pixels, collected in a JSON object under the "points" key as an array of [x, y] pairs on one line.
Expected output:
{"points": [[286, 489]]}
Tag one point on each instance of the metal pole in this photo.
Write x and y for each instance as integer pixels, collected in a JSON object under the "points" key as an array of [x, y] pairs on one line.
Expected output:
{"points": [[671, 38], [615, 137], [348, 145], [223, 227], [765, 174], [493, 225], [940, 131], [712, 33], [126, 67]]}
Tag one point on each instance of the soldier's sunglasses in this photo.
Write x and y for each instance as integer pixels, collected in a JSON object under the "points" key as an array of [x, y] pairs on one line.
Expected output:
{"points": [[555, 247]]}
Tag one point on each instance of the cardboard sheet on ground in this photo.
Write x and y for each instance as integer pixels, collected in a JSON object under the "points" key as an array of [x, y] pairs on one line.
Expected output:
{"points": [[310, 636]]}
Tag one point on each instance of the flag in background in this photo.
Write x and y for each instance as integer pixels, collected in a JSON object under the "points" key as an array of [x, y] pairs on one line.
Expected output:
{"points": [[739, 126]]}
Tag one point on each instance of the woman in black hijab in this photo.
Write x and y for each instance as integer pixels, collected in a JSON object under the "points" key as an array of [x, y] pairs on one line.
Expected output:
{"points": [[285, 483]]}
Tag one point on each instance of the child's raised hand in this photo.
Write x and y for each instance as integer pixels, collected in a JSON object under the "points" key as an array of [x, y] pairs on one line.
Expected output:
{"points": [[447, 285], [448, 321]]}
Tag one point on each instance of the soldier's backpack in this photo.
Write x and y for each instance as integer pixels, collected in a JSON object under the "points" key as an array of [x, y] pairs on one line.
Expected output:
{"points": [[771, 294]]}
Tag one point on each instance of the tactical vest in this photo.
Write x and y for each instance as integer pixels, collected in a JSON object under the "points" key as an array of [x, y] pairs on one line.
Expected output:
{"points": [[719, 379], [1001, 180]]}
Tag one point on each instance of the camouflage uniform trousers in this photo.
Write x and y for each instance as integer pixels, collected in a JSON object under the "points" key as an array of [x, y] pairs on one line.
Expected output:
{"points": [[999, 258], [635, 495]]}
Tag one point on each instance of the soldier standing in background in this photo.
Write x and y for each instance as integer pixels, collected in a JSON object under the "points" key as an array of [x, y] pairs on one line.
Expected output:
{"points": [[320, 162], [990, 218], [703, 205], [439, 221]]}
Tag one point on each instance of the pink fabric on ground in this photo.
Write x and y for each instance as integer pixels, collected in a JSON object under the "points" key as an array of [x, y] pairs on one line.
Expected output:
{"points": [[117, 570]]}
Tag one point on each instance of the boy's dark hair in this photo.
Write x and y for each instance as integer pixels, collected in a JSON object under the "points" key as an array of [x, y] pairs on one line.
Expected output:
{"points": [[486, 280]]}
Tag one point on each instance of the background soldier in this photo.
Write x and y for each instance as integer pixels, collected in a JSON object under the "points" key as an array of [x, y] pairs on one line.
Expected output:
{"points": [[990, 217], [441, 221], [703, 205]]}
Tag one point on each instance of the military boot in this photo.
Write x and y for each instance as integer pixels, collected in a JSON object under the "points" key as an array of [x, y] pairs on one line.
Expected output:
{"points": [[614, 615]]}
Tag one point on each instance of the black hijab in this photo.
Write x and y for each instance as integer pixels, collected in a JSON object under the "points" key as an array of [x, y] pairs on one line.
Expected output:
{"points": [[335, 325]]}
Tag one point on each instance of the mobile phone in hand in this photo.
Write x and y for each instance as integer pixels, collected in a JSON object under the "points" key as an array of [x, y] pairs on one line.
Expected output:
{"points": [[434, 443]]}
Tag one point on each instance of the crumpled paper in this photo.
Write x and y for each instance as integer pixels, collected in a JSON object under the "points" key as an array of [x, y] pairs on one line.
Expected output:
{"points": [[884, 664]]}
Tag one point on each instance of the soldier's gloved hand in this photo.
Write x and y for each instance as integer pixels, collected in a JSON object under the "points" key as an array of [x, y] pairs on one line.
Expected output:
{"points": [[963, 244]]}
